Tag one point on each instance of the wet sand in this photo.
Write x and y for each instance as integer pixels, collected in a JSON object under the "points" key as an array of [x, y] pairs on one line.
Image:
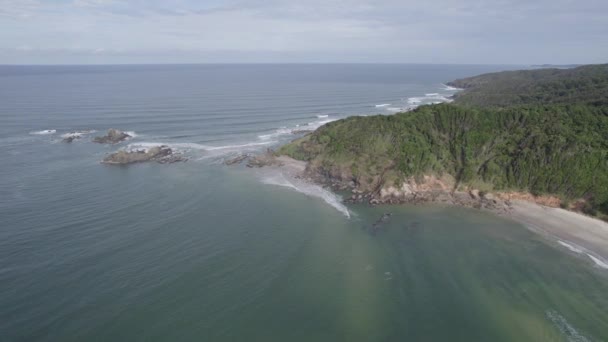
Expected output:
{"points": [[577, 232]]}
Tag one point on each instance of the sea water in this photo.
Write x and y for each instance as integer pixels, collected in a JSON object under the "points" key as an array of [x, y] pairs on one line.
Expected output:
{"points": [[203, 251]]}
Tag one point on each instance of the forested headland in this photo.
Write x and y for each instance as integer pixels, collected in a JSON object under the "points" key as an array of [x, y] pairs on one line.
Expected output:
{"points": [[543, 132]]}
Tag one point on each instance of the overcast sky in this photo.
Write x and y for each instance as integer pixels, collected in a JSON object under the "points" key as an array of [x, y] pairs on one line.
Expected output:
{"points": [[252, 31]]}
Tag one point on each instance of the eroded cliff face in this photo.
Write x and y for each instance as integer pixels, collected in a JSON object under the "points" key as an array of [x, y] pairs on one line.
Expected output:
{"points": [[386, 189]]}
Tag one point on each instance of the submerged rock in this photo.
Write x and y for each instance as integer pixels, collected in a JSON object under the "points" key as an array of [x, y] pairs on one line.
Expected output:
{"points": [[238, 159], [380, 222], [161, 154], [70, 138], [112, 137], [75, 135]]}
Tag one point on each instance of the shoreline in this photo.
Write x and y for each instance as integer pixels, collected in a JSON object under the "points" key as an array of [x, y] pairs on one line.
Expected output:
{"points": [[578, 233], [574, 232]]}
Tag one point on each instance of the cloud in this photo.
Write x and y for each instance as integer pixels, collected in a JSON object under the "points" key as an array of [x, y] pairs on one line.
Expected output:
{"points": [[18, 9], [445, 31]]}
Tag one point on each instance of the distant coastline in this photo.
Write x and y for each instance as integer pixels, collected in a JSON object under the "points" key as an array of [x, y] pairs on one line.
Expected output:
{"points": [[557, 66]]}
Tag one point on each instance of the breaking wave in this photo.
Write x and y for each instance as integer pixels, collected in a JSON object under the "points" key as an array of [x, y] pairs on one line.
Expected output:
{"points": [[383, 105], [599, 262], [311, 126], [572, 335], [211, 151], [570, 247], [278, 132], [77, 134], [44, 132], [449, 88], [308, 189]]}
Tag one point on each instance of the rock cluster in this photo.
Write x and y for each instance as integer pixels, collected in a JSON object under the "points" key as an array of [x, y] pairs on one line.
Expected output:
{"points": [[262, 160], [427, 190], [238, 159], [160, 154], [75, 135], [68, 139], [113, 136]]}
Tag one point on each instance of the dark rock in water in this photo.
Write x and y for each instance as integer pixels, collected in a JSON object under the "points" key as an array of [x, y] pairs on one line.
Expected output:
{"points": [[114, 136], [238, 159], [381, 221], [161, 154], [70, 138]]}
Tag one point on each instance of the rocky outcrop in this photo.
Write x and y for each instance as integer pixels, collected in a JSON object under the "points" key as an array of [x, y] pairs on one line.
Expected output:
{"points": [[425, 189], [113, 136], [265, 159], [160, 154], [238, 159], [75, 135], [70, 138]]}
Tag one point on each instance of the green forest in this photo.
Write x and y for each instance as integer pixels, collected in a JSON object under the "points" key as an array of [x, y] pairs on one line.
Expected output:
{"points": [[551, 139], [587, 84]]}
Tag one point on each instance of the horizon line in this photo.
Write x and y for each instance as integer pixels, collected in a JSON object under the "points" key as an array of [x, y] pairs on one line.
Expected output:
{"points": [[291, 63]]}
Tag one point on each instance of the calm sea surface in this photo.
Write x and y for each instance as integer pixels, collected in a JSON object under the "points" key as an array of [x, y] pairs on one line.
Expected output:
{"points": [[199, 251]]}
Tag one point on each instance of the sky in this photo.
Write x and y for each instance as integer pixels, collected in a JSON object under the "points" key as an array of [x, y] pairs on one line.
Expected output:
{"points": [[310, 31]]}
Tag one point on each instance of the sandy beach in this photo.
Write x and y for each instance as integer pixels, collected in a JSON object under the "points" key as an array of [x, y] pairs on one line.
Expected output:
{"points": [[575, 232]]}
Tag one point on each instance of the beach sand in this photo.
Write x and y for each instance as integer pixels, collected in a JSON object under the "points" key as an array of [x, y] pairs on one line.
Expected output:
{"points": [[577, 232]]}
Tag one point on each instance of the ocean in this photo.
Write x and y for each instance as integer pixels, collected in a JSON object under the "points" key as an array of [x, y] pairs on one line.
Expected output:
{"points": [[209, 252]]}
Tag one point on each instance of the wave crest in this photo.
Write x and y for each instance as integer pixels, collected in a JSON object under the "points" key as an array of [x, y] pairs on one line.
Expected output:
{"points": [[308, 189], [44, 132]]}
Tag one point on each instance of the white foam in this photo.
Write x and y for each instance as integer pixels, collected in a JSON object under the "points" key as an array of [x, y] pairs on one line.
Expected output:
{"points": [[560, 322], [431, 98], [131, 133], [44, 132], [186, 147], [572, 248], [277, 133], [309, 189], [449, 88], [580, 250], [77, 134], [395, 109], [316, 124], [236, 147], [599, 262], [383, 105], [310, 126]]}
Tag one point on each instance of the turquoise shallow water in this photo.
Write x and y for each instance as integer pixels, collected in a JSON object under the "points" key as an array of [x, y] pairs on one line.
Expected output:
{"points": [[200, 251]]}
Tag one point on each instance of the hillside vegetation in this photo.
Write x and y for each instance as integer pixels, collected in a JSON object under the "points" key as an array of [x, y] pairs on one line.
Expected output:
{"points": [[549, 145], [586, 84]]}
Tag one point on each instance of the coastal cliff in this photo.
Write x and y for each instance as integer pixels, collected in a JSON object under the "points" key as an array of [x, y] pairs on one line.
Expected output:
{"points": [[549, 146]]}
